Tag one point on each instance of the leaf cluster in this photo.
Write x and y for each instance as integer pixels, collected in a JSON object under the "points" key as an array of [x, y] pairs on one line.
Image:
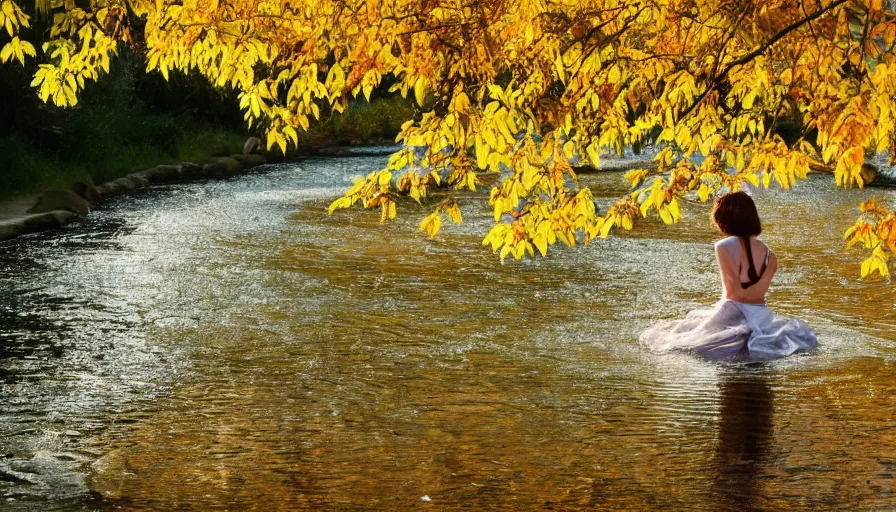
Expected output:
{"points": [[527, 91]]}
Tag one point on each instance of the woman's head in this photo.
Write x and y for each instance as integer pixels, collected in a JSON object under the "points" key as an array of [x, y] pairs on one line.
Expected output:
{"points": [[735, 215]]}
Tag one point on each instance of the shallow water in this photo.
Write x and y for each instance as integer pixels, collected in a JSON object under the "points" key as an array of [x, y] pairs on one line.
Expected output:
{"points": [[228, 345]]}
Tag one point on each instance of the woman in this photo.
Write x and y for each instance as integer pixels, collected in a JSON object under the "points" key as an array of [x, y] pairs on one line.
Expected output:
{"points": [[740, 326]]}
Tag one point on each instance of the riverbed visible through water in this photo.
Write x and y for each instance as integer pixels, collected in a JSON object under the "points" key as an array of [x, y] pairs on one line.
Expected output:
{"points": [[227, 345]]}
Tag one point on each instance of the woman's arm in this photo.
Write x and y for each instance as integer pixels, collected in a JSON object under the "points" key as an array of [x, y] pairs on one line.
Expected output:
{"points": [[730, 272]]}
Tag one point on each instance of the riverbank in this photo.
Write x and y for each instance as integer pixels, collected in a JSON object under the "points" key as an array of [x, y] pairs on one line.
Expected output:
{"points": [[56, 208], [59, 207]]}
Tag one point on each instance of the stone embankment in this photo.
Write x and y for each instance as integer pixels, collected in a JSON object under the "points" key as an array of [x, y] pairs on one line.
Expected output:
{"points": [[56, 208]]}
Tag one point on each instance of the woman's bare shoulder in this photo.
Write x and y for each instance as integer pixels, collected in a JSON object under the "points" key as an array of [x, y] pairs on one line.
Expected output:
{"points": [[726, 242]]}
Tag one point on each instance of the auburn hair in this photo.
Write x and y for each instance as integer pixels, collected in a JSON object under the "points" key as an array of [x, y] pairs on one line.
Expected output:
{"points": [[735, 215]]}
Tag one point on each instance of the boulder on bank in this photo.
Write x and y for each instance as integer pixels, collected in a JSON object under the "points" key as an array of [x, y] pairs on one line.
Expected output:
{"points": [[253, 146], [109, 190], [221, 168], [872, 175], [159, 174], [35, 223], [126, 184], [88, 191], [166, 174], [139, 179], [612, 164], [120, 186], [190, 171], [55, 200], [249, 161], [878, 176]]}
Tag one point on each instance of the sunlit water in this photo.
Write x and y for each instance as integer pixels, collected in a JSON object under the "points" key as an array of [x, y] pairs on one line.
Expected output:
{"points": [[228, 345]]}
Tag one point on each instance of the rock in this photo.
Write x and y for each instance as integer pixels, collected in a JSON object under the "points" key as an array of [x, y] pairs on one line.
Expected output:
{"points": [[868, 173], [249, 161], [70, 457], [883, 176], [274, 156], [253, 146], [61, 200], [35, 223], [146, 177], [617, 165], [167, 173], [190, 171], [88, 191], [139, 179], [110, 189], [221, 167], [160, 174], [10, 229], [337, 151], [873, 175], [59, 218], [126, 184]]}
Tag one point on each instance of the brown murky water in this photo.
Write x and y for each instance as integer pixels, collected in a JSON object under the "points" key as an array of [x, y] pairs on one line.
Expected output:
{"points": [[229, 346]]}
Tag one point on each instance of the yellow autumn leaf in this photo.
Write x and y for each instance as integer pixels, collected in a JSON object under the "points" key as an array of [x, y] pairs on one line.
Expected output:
{"points": [[420, 90]]}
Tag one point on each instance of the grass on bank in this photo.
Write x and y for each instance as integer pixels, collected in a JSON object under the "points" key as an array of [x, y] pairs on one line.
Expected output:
{"points": [[28, 170], [377, 122], [107, 144]]}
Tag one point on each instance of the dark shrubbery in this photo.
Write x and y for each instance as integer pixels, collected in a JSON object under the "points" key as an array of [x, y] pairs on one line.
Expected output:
{"points": [[126, 122], [131, 120], [378, 121]]}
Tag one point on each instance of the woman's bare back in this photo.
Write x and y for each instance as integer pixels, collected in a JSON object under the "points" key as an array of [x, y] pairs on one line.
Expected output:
{"points": [[734, 266]]}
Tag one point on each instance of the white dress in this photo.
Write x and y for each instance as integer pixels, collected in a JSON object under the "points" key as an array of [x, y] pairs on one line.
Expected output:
{"points": [[731, 330]]}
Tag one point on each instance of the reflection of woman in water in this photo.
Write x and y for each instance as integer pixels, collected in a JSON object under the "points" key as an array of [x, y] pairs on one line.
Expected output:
{"points": [[740, 325], [745, 434]]}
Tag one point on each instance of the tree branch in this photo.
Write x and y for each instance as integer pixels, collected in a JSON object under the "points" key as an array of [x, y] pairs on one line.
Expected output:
{"points": [[757, 52]]}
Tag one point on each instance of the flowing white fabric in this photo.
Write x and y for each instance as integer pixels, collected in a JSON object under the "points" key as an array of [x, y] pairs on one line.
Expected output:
{"points": [[731, 330]]}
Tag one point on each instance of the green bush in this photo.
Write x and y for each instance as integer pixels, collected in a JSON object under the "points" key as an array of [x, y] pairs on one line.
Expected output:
{"points": [[126, 122], [379, 120], [27, 170], [130, 121], [112, 144]]}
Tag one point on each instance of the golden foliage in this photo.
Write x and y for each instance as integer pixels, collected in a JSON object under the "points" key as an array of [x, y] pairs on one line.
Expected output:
{"points": [[528, 90], [876, 231]]}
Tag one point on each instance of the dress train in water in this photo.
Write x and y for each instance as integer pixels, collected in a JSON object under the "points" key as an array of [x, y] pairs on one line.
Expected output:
{"points": [[732, 330]]}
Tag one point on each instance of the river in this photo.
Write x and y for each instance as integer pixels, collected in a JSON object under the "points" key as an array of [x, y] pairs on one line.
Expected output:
{"points": [[227, 345]]}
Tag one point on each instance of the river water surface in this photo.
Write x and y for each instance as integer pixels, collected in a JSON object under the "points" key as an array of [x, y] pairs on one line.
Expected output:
{"points": [[227, 345]]}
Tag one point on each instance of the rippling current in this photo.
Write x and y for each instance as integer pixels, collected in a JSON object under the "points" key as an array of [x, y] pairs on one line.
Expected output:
{"points": [[227, 345]]}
